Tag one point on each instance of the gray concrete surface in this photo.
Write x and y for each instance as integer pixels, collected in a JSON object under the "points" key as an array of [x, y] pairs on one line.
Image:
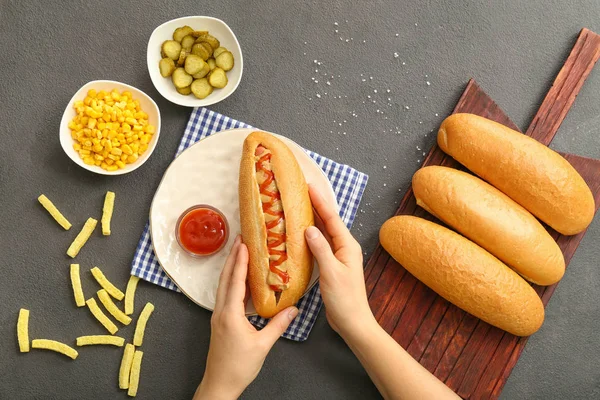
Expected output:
{"points": [[49, 49]]}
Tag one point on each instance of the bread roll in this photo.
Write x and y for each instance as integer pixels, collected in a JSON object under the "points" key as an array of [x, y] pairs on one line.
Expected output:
{"points": [[491, 219], [528, 172], [463, 273]]}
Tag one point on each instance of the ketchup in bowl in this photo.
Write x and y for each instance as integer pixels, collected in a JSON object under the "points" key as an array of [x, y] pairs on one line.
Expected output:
{"points": [[202, 230]]}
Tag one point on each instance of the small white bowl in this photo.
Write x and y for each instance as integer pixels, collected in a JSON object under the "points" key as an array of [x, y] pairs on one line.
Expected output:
{"points": [[215, 27], [146, 104]]}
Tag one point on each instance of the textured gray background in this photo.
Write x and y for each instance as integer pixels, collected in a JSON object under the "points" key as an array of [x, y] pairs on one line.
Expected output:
{"points": [[513, 49]]}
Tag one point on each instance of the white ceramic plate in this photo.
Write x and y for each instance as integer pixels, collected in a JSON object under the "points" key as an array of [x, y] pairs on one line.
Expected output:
{"points": [[215, 27], [147, 105], [208, 173]]}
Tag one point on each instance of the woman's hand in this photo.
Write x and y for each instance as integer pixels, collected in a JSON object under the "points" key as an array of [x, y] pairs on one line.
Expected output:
{"points": [[341, 265], [237, 350]]}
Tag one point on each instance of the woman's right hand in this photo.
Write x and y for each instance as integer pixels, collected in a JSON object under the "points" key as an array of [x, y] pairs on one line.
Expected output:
{"points": [[341, 266]]}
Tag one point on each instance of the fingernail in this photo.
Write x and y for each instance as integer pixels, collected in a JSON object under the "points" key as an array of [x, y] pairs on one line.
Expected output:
{"points": [[238, 239], [293, 313], [312, 232]]}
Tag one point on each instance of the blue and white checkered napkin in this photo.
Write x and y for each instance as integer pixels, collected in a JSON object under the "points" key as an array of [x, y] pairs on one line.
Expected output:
{"points": [[348, 185]]}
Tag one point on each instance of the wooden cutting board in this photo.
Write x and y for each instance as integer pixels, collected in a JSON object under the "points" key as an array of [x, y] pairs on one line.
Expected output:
{"points": [[473, 358]]}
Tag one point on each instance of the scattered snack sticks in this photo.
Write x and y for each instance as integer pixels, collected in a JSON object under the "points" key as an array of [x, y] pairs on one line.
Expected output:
{"points": [[129, 371]]}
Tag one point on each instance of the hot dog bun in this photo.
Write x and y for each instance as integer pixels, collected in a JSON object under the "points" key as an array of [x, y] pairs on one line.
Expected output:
{"points": [[530, 173], [463, 273], [492, 220], [298, 216]]}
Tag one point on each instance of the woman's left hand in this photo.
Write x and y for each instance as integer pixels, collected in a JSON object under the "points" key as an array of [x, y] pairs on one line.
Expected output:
{"points": [[237, 350]]}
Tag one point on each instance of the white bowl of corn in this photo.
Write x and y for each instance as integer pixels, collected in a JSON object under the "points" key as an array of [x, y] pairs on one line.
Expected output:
{"points": [[109, 127]]}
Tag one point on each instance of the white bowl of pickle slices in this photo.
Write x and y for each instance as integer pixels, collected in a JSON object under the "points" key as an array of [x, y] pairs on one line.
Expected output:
{"points": [[195, 61]]}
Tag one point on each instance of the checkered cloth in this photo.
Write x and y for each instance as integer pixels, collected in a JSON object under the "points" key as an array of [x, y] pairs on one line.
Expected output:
{"points": [[348, 185]]}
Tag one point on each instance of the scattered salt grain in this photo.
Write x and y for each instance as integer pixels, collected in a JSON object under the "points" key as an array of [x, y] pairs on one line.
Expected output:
{"points": [[318, 95], [396, 55], [428, 83]]}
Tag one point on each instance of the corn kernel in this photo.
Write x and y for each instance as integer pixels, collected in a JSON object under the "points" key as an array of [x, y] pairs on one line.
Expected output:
{"points": [[110, 130], [112, 168]]}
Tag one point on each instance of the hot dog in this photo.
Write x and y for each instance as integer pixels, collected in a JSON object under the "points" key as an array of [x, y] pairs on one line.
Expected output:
{"points": [[275, 210], [528, 172]]}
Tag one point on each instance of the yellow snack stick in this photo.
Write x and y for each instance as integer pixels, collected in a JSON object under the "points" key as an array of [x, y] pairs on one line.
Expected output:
{"points": [[82, 237], [51, 208], [138, 336], [76, 283], [23, 330], [125, 369], [54, 346], [112, 308], [107, 211], [101, 317], [134, 376], [100, 339], [130, 294], [106, 284]]}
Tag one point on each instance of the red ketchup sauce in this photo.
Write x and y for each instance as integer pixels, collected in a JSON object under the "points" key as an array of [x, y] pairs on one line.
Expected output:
{"points": [[202, 231], [273, 239]]}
